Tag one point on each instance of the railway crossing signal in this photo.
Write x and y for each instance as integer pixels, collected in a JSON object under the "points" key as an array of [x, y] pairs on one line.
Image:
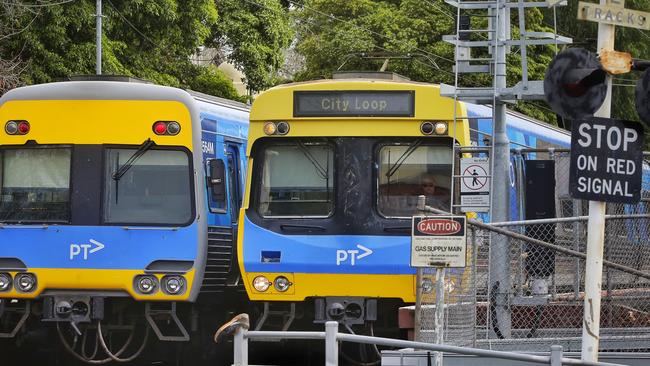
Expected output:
{"points": [[643, 97], [575, 84]]}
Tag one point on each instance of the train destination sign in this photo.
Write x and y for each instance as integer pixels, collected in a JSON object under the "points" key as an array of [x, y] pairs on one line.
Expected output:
{"points": [[438, 241], [351, 103], [615, 14], [606, 160]]}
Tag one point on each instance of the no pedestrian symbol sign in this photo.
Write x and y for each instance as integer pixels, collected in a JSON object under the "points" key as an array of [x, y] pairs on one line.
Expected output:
{"points": [[474, 184], [606, 160]]}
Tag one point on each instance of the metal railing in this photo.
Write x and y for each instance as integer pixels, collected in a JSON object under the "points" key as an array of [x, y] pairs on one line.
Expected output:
{"points": [[333, 338]]}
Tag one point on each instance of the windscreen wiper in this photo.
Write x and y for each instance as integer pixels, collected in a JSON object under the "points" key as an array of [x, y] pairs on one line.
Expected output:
{"points": [[411, 148], [322, 172], [144, 147]]}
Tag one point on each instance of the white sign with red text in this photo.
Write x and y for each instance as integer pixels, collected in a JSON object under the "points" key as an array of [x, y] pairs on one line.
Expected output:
{"points": [[438, 241]]}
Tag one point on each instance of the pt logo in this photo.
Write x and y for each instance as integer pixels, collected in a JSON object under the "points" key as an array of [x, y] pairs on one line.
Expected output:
{"points": [[85, 249], [342, 255]]}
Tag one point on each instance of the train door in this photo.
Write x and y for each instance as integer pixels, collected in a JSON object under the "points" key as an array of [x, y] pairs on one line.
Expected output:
{"points": [[233, 162]]}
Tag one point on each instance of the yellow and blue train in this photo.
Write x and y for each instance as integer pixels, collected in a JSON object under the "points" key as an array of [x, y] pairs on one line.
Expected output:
{"points": [[334, 171], [112, 192]]}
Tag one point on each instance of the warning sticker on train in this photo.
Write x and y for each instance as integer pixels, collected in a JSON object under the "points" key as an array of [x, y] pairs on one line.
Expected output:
{"points": [[438, 241], [474, 184], [606, 160]]}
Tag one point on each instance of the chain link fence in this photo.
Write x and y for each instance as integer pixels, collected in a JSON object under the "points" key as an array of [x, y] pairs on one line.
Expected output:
{"points": [[546, 292]]}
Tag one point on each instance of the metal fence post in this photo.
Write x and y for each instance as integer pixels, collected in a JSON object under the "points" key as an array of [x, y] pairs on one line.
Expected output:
{"points": [[556, 355], [331, 344], [240, 357]]}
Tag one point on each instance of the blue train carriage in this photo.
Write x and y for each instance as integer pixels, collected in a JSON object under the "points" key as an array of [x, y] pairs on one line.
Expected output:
{"points": [[335, 168], [112, 192], [524, 133]]}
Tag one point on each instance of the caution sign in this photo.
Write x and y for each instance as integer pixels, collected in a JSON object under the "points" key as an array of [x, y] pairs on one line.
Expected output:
{"points": [[474, 184], [438, 241], [606, 160]]}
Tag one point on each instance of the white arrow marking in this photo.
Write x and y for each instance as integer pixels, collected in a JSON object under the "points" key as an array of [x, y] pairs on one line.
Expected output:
{"points": [[99, 246], [366, 253]]}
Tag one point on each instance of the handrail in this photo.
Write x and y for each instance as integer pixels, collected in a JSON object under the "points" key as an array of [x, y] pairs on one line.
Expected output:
{"points": [[567, 219], [332, 338], [424, 208]]}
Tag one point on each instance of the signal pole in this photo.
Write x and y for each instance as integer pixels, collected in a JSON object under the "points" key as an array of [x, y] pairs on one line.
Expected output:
{"points": [[500, 245], [596, 230], [98, 37]]}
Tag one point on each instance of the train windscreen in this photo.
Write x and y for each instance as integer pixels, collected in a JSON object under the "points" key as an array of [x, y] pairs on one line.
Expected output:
{"points": [[297, 180], [35, 184], [409, 170], [154, 189]]}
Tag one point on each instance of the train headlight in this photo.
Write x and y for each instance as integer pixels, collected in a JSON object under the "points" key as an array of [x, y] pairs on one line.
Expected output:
{"points": [[282, 284], [261, 283], [441, 128], [270, 128], [173, 285], [25, 282], [427, 286], [5, 282], [146, 284]]}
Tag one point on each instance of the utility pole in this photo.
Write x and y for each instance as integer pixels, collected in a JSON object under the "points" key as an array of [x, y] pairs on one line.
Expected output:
{"points": [[596, 230], [98, 37], [500, 245]]}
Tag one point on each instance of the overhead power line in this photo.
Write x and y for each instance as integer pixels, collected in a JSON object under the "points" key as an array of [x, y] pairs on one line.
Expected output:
{"points": [[39, 4]]}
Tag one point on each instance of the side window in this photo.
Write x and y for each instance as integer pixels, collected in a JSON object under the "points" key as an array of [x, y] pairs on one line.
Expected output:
{"points": [[234, 183], [216, 184]]}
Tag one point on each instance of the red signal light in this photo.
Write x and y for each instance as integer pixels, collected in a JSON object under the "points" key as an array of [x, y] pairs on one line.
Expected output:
{"points": [[160, 128], [23, 127]]}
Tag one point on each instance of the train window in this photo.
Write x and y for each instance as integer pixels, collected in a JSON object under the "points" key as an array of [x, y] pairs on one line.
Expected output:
{"points": [[35, 184], [155, 190], [297, 180], [409, 170]]}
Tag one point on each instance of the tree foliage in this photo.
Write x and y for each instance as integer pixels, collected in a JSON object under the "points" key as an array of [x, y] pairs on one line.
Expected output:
{"points": [[360, 35], [149, 39], [253, 34]]}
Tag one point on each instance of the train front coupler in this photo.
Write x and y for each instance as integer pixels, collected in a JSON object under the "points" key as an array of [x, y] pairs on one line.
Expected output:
{"points": [[345, 310], [73, 310]]}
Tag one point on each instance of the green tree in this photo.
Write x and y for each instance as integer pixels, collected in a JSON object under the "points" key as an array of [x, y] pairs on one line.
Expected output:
{"points": [[358, 35], [149, 39], [253, 34]]}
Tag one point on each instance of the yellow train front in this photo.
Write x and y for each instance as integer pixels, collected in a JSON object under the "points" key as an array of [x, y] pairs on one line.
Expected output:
{"points": [[103, 201], [335, 168]]}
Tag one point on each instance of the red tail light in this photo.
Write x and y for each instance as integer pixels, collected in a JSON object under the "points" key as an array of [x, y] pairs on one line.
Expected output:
{"points": [[160, 128], [166, 128], [23, 127], [17, 127]]}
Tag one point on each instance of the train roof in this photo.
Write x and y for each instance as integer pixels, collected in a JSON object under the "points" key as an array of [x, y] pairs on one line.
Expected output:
{"points": [[97, 90], [524, 123]]}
